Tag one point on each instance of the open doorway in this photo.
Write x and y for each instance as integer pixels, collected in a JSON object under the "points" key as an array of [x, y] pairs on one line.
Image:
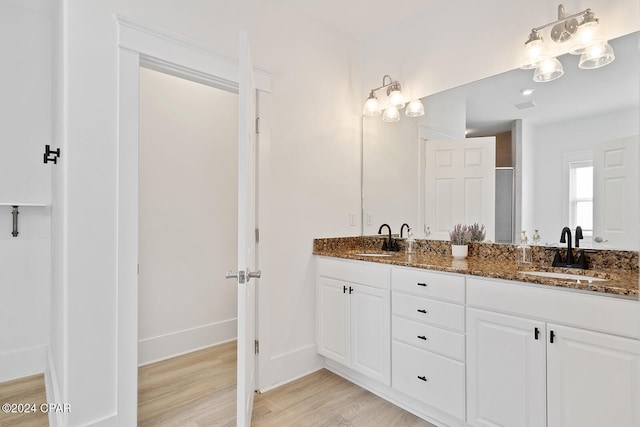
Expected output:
{"points": [[187, 227]]}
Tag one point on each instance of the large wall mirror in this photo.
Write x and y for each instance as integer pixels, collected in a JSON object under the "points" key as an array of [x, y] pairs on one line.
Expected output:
{"points": [[565, 155]]}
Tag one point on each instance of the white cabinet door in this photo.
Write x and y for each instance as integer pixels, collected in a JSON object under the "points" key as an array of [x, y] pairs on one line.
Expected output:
{"points": [[371, 332], [505, 370], [333, 331], [592, 379]]}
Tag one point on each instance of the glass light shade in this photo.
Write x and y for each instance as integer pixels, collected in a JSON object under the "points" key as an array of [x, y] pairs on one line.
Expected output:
{"points": [[534, 54], [396, 99], [391, 114], [587, 35], [598, 55], [414, 109], [549, 69], [372, 107]]}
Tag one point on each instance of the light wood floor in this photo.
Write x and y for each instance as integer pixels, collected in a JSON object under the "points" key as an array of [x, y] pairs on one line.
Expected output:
{"points": [[24, 390], [198, 389]]}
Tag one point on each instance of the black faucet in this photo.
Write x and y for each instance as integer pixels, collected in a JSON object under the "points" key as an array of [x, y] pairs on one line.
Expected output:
{"points": [[578, 236], [387, 246], [570, 261], [402, 228], [566, 231]]}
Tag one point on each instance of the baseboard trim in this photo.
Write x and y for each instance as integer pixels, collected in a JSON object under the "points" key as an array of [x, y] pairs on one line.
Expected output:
{"points": [[52, 390], [108, 421], [284, 368], [156, 349], [22, 363]]}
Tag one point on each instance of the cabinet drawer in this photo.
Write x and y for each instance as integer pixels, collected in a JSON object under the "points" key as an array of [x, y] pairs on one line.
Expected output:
{"points": [[429, 378], [367, 273], [428, 310], [429, 284], [425, 337]]}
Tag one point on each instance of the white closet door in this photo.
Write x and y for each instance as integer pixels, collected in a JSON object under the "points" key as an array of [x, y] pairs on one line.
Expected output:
{"points": [[246, 380], [460, 185], [615, 193]]}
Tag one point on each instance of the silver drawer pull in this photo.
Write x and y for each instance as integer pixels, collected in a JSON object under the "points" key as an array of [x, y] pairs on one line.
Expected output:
{"points": [[422, 310], [423, 337], [424, 378]]}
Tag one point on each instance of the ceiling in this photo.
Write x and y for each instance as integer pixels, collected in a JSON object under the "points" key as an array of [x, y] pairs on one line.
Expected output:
{"points": [[358, 19]]}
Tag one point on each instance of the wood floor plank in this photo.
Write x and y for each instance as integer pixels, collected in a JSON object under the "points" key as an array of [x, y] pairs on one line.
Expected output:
{"points": [[29, 390]]}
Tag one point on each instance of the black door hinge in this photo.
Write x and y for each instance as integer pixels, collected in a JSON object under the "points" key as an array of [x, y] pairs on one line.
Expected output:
{"points": [[51, 155]]}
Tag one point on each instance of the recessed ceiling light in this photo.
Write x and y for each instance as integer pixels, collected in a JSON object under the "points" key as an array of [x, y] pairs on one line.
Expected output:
{"points": [[526, 91]]}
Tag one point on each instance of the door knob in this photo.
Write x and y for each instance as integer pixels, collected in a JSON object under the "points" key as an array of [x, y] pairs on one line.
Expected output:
{"points": [[253, 274], [241, 275], [235, 275]]}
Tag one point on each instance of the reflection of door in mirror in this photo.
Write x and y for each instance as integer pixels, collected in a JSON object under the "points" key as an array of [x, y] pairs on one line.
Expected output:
{"points": [[616, 187], [460, 185]]}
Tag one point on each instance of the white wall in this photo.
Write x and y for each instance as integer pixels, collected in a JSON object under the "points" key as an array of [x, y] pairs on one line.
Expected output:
{"points": [[575, 135], [25, 106], [391, 170], [188, 172]]}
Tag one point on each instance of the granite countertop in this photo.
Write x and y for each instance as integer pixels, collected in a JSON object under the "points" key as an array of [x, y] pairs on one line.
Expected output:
{"points": [[620, 281]]}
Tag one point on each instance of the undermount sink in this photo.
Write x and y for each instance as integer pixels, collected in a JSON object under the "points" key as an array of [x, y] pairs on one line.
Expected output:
{"points": [[371, 254], [566, 276]]}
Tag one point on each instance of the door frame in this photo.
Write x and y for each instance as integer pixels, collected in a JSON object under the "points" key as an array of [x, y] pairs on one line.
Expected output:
{"points": [[154, 47]]}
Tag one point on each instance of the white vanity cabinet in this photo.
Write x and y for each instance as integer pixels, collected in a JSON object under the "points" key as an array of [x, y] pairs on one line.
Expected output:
{"points": [[547, 357], [353, 316], [428, 338]]}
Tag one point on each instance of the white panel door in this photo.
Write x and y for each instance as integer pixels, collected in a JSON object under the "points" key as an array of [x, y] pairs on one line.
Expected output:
{"points": [[593, 379], [246, 362], [615, 193], [460, 185], [333, 328], [505, 370], [371, 332]]}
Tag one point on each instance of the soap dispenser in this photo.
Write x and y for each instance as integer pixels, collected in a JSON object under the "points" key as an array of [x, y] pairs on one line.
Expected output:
{"points": [[536, 237], [523, 253], [410, 242]]}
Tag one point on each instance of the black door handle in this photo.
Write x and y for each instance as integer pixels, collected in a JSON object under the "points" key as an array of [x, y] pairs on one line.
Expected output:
{"points": [[552, 336], [536, 333], [422, 310]]}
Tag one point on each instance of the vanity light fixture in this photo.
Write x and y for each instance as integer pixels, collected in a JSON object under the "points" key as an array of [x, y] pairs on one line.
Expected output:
{"points": [[395, 102], [391, 114], [580, 32]]}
